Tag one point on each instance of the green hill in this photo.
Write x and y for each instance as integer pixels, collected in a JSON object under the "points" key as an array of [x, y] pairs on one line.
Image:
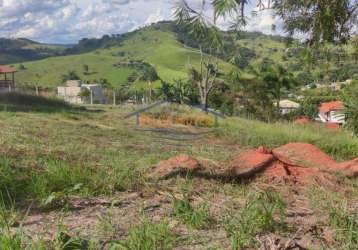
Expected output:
{"points": [[159, 48], [21, 49], [169, 51]]}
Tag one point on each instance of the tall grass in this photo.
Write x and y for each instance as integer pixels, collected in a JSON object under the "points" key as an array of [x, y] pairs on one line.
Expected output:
{"points": [[341, 145], [56, 180], [258, 215], [15, 101]]}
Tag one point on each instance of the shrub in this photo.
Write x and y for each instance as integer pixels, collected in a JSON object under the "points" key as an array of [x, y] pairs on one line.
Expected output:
{"points": [[349, 96]]}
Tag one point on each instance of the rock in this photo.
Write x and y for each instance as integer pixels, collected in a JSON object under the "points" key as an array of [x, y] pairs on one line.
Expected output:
{"points": [[181, 163], [249, 163]]}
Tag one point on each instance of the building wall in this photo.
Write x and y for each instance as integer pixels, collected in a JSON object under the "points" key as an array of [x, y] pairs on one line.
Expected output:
{"points": [[333, 117], [71, 94]]}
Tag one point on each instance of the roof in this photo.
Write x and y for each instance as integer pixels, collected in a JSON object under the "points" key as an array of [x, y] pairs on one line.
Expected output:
{"points": [[331, 106], [289, 104], [6, 69]]}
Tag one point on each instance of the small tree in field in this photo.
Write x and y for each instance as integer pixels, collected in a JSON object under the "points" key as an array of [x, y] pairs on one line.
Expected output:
{"points": [[205, 78], [85, 69], [70, 75]]}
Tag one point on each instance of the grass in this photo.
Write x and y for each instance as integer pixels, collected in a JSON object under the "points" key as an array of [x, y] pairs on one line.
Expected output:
{"points": [[24, 102], [46, 158], [251, 133], [257, 216], [195, 217], [148, 236], [343, 217]]}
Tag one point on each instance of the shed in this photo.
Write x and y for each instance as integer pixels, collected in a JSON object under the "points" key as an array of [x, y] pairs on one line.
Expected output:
{"points": [[7, 83], [287, 106]]}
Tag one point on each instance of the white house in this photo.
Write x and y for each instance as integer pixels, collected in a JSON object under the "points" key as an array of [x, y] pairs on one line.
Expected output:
{"points": [[287, 106], [77, 93], [332, 112]]}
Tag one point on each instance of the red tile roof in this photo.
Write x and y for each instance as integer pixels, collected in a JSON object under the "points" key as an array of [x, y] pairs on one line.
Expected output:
{"points": [[331, 106], [6, 69]]}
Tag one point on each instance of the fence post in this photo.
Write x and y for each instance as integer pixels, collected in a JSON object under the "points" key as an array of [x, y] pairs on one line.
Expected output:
{"points": [[91, 96], [138, 119], [114, 98], [216, 121]]}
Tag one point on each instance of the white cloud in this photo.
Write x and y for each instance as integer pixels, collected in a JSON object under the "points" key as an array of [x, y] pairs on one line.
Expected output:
{"points": [[66, 21]]}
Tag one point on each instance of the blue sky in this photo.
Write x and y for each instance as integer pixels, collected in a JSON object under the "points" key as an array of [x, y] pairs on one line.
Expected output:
{"points": [[67, 21]]}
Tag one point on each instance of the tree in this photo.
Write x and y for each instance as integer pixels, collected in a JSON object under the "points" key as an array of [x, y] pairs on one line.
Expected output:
{"points": [[349, 96], [205, 78], [70, 75], [321, 20], [277, 79], [355, 48], [85, 69], [148, 74], [180, 91], [252, 96]]}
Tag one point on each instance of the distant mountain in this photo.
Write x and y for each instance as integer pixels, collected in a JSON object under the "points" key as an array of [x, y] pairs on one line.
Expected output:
{"points": [[169, 50], [22, 49]]}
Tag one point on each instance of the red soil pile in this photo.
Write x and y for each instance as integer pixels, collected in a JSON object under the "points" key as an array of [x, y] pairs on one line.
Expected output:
{"points": [[250, 162], [304, 155], [302, 120], [349, 168], [181, 163], [298, 163], [333, 126]]}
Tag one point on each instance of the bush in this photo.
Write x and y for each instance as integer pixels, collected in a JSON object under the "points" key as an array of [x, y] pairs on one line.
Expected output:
{"points": [[349, 96]]}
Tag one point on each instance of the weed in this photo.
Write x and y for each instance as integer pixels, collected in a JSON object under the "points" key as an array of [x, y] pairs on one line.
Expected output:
{"points": [[147, 236], [258, 215], [64, 241], [341, 217], [198, 217], [106, 227], [194, 217]]}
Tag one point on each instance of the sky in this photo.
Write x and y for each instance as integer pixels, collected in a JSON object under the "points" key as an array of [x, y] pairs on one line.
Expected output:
{"points": [[67, 21]]}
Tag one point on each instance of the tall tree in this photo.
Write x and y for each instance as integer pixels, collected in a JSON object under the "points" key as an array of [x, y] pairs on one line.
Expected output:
{"points": [[321, 20], [149, 75], [205, 78], [278, 79]]}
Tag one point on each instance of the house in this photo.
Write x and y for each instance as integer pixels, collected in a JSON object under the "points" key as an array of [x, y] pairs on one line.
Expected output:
{"points": [[7, 84], [332, 112], [287, 106], [76, 92]]}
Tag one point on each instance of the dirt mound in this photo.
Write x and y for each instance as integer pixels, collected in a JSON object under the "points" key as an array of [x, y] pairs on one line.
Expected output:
{"points": [[333, 126], [177, 164], [304, 155], [302, 120], [349, 168], [297, 163], [250, 163]]}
